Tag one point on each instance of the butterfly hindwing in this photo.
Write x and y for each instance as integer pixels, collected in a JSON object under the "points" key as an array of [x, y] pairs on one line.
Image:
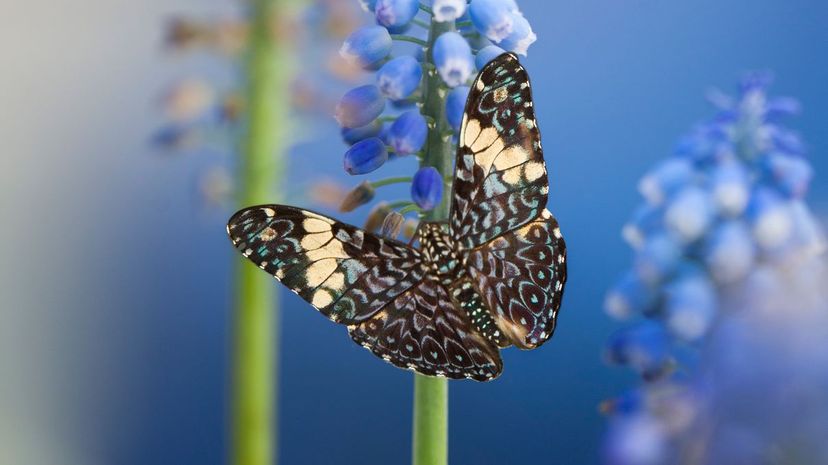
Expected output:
{"points": [[521, 277], [346, 273], [500, 182], [424, 330]]}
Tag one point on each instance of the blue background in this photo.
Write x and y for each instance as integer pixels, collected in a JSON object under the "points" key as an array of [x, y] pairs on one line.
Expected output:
{"points": [[120, 299]]}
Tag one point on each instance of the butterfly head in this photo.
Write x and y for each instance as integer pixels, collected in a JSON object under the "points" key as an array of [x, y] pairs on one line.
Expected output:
{"points": [[438, 251]]}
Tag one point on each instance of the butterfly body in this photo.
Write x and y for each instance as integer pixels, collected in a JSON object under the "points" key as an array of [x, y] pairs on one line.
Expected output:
{"points": [[490, 276], [443, 259]]}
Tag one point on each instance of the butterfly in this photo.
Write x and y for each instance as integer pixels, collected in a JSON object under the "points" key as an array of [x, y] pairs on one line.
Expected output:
{"points": [[490, 277]]}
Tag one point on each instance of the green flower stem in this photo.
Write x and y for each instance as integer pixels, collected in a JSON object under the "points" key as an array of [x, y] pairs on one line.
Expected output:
{"points": [[413, 40], [263, 149], [409, 208], [430, 442], [389, 181]]}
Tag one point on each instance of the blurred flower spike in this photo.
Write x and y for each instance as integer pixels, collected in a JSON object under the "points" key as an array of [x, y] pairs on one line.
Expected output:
{"points": [[210, 114], [424, 56], [728, 281]]}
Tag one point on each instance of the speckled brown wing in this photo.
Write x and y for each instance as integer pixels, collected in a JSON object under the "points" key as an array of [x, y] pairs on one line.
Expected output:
{"points": [[346, 273], [520, 276], [426, 331], [500, 177]]}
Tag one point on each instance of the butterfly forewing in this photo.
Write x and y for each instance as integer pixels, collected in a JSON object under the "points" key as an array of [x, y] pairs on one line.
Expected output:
{"points": [[500, 182], [346, 273]]}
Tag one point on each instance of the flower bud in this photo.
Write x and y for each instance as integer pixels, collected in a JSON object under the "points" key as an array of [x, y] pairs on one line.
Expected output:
{"points": [[629, 295], [487, 54], [690, 214], [521, 37], [353, 135], [358, 196], [690, 303], [729, 252], [453, 58], [392, 224], [493, 18], [395, 14], [366, 46], [791, 174], [365, 156], [376, 216], [400, 77], [359, 106], [407, 134], [448, 10], [427, 188], [456, 105]]}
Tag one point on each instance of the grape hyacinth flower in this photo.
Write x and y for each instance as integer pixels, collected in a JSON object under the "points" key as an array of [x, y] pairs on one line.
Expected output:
{"points": [[425, 76], [455, 105], [453, 58], [395, 14], [730, 279], [425, 81], [400, 77], [360, 106], [408, 133], [427, 188], [365, 156], [366, 46], [448, 10]]}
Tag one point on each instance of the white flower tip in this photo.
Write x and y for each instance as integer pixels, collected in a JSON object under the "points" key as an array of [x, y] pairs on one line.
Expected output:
{"points": [[617, 307], [649, 189], [499, 31], [448, 10], [773, 228], [688, 324], [731, 198], [456, 72], [633, 235], [522, 45]]}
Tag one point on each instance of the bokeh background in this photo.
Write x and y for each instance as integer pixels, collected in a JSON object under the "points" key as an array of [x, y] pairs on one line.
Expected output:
{"points": [[115, 283]]}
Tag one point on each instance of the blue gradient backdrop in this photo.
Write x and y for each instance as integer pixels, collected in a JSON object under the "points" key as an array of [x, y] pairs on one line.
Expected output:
{"points": [[615, 81]]}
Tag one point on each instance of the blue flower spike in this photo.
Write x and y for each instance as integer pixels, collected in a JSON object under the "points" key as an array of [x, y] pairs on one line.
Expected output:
{"points": [[367, 46], [365, 156], [396, 14], [448, 10], [455, 104], [360, 106], [453, 59], [399, 77], [487, 54], [493, 18], [427, 188], [408, 133], [726, 253]]}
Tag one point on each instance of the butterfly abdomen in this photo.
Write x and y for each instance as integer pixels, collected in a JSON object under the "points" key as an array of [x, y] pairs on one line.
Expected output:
{"points": [[466, 297]]}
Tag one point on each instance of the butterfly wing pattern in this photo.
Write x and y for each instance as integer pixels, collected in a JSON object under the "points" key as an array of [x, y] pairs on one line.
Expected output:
{"points": [[492, 277], [518, 256]]}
